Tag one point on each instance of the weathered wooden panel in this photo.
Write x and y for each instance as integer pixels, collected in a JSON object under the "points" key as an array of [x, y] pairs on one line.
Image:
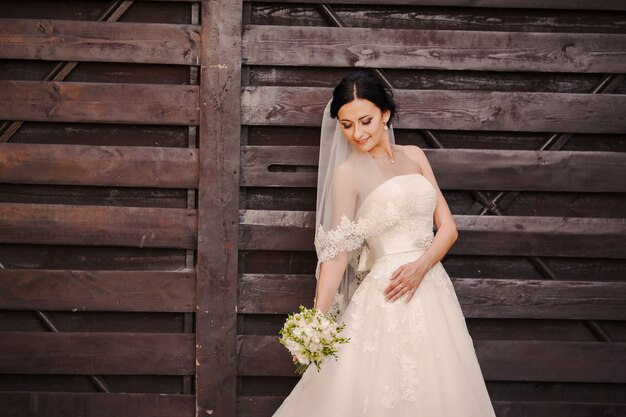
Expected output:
{"points": [[441, 18], [87, 257], [433, 49], [500, 360], [97, 353], [218, 204], [36, 289], [54, 404], [479, 298], [98, 102], [550, 4], [478, 235], [94, 225], [98, 165], [71, 40], [296, 166], [450, 110]]}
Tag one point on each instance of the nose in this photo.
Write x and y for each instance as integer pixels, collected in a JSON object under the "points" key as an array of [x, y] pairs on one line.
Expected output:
{"points": [[357, 133]]}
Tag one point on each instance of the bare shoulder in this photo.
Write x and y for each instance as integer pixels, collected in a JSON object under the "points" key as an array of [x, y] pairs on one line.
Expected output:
{"points": [[415, 153]]}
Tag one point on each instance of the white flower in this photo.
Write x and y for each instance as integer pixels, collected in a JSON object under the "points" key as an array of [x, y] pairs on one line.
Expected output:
{"points": [[310, 337]]}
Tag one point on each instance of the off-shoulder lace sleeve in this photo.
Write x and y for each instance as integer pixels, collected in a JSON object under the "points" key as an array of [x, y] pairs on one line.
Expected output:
{"points": [[347, 236]]}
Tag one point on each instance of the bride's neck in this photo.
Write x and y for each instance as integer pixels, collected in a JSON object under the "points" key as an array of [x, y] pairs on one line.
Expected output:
{"points": [[382, 150]]}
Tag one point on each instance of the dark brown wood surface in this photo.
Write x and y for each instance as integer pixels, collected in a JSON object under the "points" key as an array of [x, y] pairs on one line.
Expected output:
{"points": [[220, 127], [296, 166], [98, 165], [499, 360], [97, 225], [99, 353], [439, 49], [494, 235], [479, 298], [157, 291], [70, 40], [98, 102], [450, 110], [550, 4], [48, 404]]}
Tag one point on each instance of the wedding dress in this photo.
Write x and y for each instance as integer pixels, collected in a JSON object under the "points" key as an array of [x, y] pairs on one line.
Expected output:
{"points": [[412, 359]]}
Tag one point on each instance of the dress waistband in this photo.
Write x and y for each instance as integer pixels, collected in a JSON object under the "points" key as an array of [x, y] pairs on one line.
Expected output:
{"points": [[399, 243], [390, 245]]}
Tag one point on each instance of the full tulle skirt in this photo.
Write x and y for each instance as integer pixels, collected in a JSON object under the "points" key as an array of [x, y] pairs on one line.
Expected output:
{"points": [[412, 359]]}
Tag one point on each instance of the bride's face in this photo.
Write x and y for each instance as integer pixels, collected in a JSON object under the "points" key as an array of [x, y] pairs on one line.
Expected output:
{"points": [[363, 124]]}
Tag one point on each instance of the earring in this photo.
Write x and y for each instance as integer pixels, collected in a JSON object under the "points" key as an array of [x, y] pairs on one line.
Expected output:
{"points": [[385, 127]]}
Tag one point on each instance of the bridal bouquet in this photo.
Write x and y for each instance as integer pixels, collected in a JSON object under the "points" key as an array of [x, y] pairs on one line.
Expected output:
{"points": [[310, 336]]}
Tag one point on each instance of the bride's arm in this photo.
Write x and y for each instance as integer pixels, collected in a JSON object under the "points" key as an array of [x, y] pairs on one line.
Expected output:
{"points": [[330, 276], [332, 270], [446, 235]]}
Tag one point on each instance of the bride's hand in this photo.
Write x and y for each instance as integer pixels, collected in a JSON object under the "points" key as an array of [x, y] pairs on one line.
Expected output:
{"points": [[405, 280]]}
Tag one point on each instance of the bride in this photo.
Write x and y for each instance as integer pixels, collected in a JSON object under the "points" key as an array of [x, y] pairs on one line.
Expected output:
{"points": [[379, 270]]}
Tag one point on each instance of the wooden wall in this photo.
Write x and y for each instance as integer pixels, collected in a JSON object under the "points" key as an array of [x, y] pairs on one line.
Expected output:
{"points": [[157, 188], [98, 207], [522, 114]]}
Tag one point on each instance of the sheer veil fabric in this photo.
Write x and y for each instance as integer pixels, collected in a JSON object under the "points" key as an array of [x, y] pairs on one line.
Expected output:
{"points": [[346, 177]]}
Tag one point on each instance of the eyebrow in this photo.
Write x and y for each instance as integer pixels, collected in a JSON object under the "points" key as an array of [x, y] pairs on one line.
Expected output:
{"points": [[362, 117]]}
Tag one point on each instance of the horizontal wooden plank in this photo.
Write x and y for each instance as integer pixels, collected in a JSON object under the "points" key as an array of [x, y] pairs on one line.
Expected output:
{"points": [[450, 110], [478, 235], [56, 224], [265, 406], [433, 49], [54, 404], [155, 291], [124, 166], [457, 169], [97, 353], [75, 40], [528, 4], [479, 298], [500, 360], [52, 101]]}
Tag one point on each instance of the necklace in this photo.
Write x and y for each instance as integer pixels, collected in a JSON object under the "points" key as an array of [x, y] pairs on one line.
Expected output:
{"points": [[392, 159]]}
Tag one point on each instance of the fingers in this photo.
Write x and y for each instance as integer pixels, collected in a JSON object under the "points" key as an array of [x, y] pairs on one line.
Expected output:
{"points": [[399, 289], [411, 293]]}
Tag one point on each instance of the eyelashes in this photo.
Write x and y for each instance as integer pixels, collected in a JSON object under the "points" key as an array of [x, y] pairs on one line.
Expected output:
{"points": [[365, 122]]}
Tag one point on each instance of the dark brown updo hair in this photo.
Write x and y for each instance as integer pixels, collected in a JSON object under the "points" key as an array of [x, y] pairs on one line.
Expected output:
{"points": [[361, 84]]}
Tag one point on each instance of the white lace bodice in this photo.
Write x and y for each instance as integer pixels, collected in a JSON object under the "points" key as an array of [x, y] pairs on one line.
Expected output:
{"points": [[395, 217], [405, 222]]}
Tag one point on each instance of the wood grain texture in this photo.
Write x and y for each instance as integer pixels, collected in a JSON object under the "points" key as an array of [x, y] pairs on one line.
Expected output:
{"points": [[53, 404], [97, 353], [71, 40], [156, 291], [478, 235], [539, 4], [440, 18], [433, 49], [479, 298], [457, 169], [450, 110], [122, 166], [55, 224], [500, 360], [50, 101], [218, 205]]}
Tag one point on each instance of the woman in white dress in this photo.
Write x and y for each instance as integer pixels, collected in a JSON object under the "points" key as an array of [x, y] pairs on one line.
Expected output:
{"points": [[379, 270]]}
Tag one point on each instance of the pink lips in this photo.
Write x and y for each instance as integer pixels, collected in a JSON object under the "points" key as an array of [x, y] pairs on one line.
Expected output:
{"points": [[361, 142]]}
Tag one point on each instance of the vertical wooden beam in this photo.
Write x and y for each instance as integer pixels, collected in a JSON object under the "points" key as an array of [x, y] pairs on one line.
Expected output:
{"points": [[218, 206]]}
